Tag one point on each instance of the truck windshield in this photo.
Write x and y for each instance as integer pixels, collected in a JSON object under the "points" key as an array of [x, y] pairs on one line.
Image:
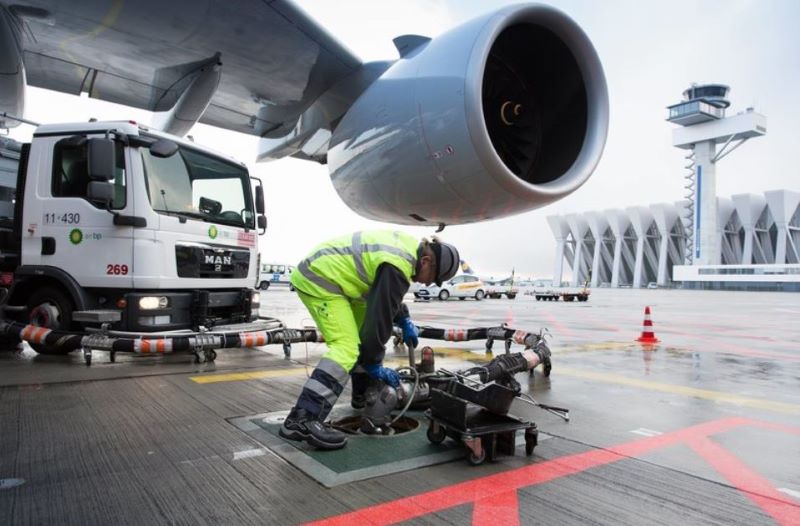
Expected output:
{"points": [[197, 185]]}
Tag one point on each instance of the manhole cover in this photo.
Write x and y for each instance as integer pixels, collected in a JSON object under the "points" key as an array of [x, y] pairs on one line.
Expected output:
{"points": [[352, 425]]}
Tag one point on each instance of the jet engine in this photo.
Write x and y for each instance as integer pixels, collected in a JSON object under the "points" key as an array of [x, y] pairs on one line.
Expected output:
{"points": [[503, 114]]}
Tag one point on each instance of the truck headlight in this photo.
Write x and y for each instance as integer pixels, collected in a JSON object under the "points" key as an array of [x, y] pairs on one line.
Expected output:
{"points": [[153, 302], [255, 298]]}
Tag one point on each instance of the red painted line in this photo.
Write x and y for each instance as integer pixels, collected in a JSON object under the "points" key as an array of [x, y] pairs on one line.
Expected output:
{"points": [[755, 487], [501, 509], [510, 317], [491, 493], [560, 327]]}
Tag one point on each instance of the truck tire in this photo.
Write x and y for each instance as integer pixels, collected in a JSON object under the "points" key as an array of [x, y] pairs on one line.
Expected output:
{"points": [[264, 285], [479, 295], [511, 296], [51, 308], [443, 295]]}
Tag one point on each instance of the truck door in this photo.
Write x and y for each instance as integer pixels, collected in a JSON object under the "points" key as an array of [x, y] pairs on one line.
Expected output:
{"points": [[77, 235]]}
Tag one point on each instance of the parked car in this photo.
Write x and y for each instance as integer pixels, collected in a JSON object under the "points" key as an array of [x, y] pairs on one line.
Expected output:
{"points": [[461, 287]]}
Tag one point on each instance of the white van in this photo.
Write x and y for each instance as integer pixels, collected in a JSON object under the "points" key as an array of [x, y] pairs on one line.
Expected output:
{"points": [[274, 273]]}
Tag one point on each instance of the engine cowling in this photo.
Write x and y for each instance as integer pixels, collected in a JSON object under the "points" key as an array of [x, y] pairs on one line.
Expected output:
{"points": [[503, 114]]}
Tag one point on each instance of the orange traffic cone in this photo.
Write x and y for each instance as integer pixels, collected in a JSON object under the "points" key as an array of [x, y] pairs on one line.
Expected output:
{"points": [[648, 336]]}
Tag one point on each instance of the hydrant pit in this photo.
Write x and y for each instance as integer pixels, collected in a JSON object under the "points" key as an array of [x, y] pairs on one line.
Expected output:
{"points": [[352, 425]]}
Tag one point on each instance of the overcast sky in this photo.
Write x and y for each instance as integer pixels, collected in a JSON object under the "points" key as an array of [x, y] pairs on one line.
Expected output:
{"points": [[651, 52]]}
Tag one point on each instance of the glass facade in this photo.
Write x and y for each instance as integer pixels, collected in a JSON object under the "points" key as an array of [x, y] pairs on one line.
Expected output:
{"points": [[756, 271], [695, 107]]}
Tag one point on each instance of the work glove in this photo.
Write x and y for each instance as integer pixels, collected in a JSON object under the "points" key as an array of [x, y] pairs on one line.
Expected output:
{"points": [[410, 332], [379, 372]]}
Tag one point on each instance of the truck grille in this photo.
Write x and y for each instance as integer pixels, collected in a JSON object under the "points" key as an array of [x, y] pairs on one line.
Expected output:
{"points": [[207, 261]]}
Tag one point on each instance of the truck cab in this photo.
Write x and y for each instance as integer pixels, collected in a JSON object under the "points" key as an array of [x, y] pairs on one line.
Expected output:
{"points": [[113, 221]]}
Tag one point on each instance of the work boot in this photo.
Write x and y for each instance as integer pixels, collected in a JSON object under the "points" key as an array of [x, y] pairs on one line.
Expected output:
{"points": [[301, 425], [543, 352], [358, 401], [360, 381]]}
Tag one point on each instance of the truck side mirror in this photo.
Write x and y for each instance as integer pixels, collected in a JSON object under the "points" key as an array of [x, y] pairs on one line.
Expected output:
{"points": [[101, 192], [102, 159], [259, 199], [262, 224], [163, 148]]}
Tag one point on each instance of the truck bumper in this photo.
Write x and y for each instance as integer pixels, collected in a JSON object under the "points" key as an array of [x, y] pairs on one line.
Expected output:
{"points": [[186, 310]]}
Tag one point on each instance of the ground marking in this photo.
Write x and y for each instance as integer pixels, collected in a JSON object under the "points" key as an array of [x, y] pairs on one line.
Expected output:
{"points": [[280, 372], [717, 396], [249, 453], [646, 432], [790, 492], [250, 375], [494, 497], [11, 483]]}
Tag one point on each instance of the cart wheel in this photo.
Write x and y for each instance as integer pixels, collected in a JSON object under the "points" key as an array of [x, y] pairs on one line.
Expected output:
{"points": [[113, 357], [476, 460], [87, 358], [212, 355], [531, 440], [287, 350], [436, 433], [199, 357]]}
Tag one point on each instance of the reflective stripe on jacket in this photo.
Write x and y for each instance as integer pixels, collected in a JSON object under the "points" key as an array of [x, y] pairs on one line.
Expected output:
{"points": [[346, 266]]}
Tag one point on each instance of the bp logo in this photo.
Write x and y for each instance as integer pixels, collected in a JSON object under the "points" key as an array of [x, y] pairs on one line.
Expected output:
{"points": [[75, 236], [212, 232]]}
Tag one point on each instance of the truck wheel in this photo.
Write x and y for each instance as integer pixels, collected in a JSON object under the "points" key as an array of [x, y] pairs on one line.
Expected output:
{"points": [[49, 307], [264, 285], [511, 296], [443, 295], [479, 295]]}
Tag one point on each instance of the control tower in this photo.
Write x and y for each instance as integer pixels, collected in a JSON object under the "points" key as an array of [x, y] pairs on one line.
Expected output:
{"points": [[704, 126]]}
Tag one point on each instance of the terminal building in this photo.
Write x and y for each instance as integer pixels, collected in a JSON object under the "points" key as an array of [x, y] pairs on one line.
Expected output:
{"points": [[745, 242]]}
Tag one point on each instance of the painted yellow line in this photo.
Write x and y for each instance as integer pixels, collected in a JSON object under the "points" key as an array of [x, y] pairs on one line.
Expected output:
{"points": [[283, 372], [716, 396], [250, 375]]}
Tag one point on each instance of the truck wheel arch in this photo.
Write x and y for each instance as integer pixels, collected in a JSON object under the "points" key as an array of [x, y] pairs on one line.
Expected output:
{"points": [[29, 278]]}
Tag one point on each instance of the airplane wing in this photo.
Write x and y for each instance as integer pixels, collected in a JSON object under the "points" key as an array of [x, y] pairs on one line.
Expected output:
{"points": [[270, 59]]}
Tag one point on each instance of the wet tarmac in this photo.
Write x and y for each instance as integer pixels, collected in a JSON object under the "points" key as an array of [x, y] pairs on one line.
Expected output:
{"points": [[701, 428]]}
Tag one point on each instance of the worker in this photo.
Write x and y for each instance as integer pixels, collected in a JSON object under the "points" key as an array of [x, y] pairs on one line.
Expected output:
{"points": [[353, 286]]}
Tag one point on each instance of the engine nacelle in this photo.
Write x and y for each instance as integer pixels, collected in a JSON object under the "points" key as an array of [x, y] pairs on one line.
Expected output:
{"points": [[503, 114]]}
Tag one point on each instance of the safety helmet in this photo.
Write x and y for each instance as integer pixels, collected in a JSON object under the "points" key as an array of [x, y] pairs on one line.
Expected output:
{"points": [[447, 261]]}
